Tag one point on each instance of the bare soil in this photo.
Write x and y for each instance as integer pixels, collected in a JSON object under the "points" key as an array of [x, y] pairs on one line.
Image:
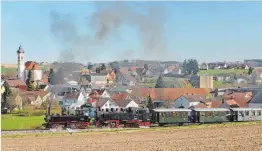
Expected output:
{"points": [[233, 138]]}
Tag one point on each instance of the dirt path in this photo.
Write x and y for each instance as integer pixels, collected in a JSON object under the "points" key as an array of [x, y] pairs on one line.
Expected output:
{"points": [[238, 138]]}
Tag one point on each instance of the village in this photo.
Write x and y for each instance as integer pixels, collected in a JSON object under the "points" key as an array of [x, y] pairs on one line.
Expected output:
{"points": [[119, 85]]}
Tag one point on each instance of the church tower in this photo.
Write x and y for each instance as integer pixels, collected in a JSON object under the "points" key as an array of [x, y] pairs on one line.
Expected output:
{"points": [[20, 63]]}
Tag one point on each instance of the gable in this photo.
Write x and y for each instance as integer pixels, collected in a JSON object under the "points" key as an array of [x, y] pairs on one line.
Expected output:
{"points": [[257, 98], [105, 94]]}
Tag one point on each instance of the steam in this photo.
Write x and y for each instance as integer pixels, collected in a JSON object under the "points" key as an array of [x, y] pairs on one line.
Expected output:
{"points": [[105, 23]]}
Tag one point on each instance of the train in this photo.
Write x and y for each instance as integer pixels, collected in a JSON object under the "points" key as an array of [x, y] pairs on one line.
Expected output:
{"points": [[145, 117]]}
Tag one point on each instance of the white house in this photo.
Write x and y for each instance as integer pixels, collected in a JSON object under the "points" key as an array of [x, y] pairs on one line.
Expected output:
{"points": [[186, 101], [256, 101], [35, 69], [99, 78], [106, 104], [72, 97]]}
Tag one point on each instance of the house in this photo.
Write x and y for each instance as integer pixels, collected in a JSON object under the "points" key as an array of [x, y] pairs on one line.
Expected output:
{"points": [[36, 101], [123, 100], [120, 89], [20, 84], [128, 80], [99, 78], [107, 104], [173, 70], [36, 71], [221, 65], [203, 66], [187, 101], [111, 77], [18, 102], [230, 104], [99, 93], [72, 97], [165, 94], [199, 105], [256, 101]]}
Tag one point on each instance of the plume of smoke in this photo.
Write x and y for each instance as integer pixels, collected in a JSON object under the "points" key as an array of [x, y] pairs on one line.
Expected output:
{"points": [[106, 22]]}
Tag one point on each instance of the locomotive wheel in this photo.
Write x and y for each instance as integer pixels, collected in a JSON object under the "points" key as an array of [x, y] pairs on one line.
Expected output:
{"points": [[73, 126]]}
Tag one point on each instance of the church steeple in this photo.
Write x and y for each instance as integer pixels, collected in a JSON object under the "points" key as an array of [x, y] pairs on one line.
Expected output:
{"points": [[20, 49], [20, 63]]}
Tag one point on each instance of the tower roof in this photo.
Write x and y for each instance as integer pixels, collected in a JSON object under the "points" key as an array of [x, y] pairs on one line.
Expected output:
{"points": [[20, 49]]}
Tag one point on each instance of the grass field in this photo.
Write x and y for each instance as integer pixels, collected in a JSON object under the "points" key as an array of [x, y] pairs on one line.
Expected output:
{"points": [[228, 71], [14, 122]]}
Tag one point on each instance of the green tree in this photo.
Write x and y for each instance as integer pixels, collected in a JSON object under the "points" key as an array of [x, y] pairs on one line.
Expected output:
{"points": [[30, 81], [160, 82], [190, 66], [51, 76], [150, 103], [250, 70]]}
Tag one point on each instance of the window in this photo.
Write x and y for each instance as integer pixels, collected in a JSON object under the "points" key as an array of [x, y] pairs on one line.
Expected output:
{"points": [[253, 113], [241, 113], [109, 104], [216, 113], [247, 113], [259, 113]]}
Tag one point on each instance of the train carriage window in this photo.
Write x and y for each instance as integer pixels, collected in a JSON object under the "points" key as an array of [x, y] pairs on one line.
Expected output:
{"points": [[216, 113], [253, 113], [259, 113], [202, 114], [247, 113], [241, 113], [208, 114]]}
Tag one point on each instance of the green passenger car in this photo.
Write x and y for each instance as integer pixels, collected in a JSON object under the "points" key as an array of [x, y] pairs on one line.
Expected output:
{"points": [[210, 115], [170, 116]]}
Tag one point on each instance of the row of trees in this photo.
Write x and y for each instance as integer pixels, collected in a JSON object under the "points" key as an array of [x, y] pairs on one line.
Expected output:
{"points": [[190, 67]]}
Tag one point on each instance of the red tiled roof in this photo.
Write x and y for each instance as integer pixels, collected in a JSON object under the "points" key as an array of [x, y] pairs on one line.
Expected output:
{"points": [[29, 65], [240, 98], [96, 93], [200, 105], [121, 96], [196, 97], [15, 83], [168, 93], [231, 102], [216, 103]]}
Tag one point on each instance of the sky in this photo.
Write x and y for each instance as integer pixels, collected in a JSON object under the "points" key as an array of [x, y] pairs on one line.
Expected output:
{"points": [[206, 31]]}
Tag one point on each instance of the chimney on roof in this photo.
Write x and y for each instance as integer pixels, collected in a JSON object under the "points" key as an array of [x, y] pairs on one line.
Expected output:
{"points": [[192, 93]]}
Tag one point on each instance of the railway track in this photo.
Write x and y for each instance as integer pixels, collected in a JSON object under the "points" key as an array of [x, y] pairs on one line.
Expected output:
{"points": [[68, 130]]}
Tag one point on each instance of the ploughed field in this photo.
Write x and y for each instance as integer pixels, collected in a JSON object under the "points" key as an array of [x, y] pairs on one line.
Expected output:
{"points": [[224, 138]]}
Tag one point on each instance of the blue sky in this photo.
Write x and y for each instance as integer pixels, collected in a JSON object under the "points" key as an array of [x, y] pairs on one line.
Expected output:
{"points": [[207, 31]]}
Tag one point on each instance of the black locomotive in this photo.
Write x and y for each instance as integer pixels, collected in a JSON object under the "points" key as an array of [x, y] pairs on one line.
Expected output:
{"points": [[138, 117]]}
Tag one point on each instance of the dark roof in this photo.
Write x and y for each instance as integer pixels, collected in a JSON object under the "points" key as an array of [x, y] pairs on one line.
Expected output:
{"points": [[122, 103], [20, 50], [257, 98], [102, 101], [72, 95]]}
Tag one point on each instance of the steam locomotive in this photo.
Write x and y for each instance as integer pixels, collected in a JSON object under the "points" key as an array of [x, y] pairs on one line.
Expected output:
{"points": [[138, 117]]}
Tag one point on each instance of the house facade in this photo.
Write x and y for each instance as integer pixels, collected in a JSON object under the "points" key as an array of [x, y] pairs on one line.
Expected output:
{"points": [[70, 98], [35, 69], [99, 78], [187, 101]]}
